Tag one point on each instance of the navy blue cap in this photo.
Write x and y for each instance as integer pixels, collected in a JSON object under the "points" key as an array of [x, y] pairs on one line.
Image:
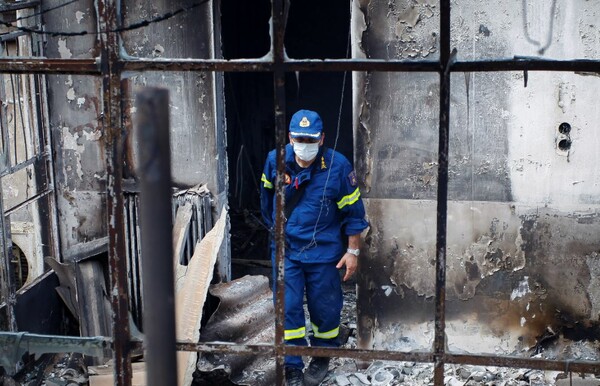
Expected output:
{"points": [[306, 123]]}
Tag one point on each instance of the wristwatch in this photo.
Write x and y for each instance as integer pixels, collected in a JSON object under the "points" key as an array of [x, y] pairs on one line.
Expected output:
{"points": [[355, 252]]}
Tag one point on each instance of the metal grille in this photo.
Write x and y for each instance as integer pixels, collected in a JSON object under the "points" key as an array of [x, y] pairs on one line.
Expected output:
{"points": [[201, 223], [111, 66]]}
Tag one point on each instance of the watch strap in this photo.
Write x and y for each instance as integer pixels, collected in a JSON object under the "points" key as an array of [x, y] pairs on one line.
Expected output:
{"points": [[355, 252]]}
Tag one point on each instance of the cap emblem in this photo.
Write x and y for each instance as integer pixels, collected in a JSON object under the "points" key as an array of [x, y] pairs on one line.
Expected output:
{"points": [[304, 122]]}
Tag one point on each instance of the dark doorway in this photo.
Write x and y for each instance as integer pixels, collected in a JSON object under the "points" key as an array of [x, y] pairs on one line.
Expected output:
{"points": [[316, 30]]}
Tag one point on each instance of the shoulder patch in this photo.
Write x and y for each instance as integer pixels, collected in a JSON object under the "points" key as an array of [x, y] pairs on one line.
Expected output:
{"points": [[352, 178]]}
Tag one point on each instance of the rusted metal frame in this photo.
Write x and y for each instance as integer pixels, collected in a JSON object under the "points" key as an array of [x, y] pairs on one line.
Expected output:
{"points": [[92, 66], [439, 342], [46, 144], [24, 164], [422, 357], [49, 231], [268, 349], [527, 64], [258, 65], [337, 65], [49, 66], [278, 50], [11, 36], [19, 5], [10, 211], [108, 14]]}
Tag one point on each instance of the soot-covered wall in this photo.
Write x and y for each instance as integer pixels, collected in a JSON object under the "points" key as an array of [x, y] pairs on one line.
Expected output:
{"points": [[524, 195]]}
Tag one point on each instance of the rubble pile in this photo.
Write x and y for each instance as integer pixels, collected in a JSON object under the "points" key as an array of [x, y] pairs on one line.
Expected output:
{"points": [[346, 371], [383, 373]]}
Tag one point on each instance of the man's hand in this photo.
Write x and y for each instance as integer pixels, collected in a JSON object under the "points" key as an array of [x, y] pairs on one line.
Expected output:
{"points": [[351, 262]]}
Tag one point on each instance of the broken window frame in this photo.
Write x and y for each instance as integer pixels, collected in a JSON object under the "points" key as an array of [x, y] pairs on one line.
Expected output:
{"points": [[29, 96], [111, 65]]}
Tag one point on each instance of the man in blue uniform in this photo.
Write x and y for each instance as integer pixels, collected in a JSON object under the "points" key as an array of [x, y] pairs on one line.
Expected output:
{"points": [[323, 211]]}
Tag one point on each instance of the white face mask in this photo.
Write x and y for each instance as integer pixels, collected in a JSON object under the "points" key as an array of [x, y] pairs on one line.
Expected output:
{"points": [[306, 151]]}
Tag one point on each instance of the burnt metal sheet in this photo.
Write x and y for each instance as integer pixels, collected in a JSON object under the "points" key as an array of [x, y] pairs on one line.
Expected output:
{"points": [[38, 309], [245, 316]]}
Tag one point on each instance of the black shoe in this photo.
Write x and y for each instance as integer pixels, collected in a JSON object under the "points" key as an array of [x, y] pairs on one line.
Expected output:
{"points": [[294, 377], [316, 372]]}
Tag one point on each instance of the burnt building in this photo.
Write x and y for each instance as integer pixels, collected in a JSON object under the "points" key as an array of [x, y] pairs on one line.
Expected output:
{"points": [[472, 127]]}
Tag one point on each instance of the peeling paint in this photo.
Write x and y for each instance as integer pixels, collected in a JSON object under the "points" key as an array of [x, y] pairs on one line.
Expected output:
{"points": [[80, 102], [63, 50], [410, 17], [521, 290], [71, 94], [79, 16], [158, 50], [70, 142]]}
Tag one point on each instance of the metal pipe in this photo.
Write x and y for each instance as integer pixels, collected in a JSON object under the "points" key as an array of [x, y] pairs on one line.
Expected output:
{"points": [[338, 65], [31, 199], [152, 131], [92, 66], [49, 66], [390, 355], [439, 343]]}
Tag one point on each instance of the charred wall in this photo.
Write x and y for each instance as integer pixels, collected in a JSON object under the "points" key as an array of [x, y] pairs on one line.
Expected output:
{"points": [[75, 114], [522, 245], [75, 108]]}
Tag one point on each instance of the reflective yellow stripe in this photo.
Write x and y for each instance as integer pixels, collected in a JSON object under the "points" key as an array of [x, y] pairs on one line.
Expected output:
{"points": [[295, 334], [325, 335], [349, 199], [268, 183]]}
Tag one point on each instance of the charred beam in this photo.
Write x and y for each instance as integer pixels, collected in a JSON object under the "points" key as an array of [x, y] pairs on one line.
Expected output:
{"points": [[49, 66], [337, 65]]}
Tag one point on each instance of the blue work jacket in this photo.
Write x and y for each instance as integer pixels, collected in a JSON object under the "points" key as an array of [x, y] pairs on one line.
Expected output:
{"points": [[329, 206]]}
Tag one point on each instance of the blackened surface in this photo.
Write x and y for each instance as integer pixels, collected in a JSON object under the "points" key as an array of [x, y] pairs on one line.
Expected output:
{"points": [[398, 124], [317, 29], [39, 309], [249, 96], [510, 270]]}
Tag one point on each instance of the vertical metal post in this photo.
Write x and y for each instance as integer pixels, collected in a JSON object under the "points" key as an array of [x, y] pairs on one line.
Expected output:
{"points": [[152, 131], [442, 197], [278, 49], [108, 12]]}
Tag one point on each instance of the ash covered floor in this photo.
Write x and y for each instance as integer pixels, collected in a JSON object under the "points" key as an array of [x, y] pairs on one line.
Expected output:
{"points": [[347, 372]]}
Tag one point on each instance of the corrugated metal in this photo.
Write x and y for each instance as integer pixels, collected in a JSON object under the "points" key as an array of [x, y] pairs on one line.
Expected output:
{"points": [[244, 315]]}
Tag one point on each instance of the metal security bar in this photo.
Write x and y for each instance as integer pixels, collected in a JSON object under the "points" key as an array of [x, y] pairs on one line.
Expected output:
{"points": [[111, 66]]}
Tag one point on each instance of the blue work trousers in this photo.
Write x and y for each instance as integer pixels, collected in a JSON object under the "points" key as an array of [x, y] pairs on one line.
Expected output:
{"points": [[324, 297]]}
